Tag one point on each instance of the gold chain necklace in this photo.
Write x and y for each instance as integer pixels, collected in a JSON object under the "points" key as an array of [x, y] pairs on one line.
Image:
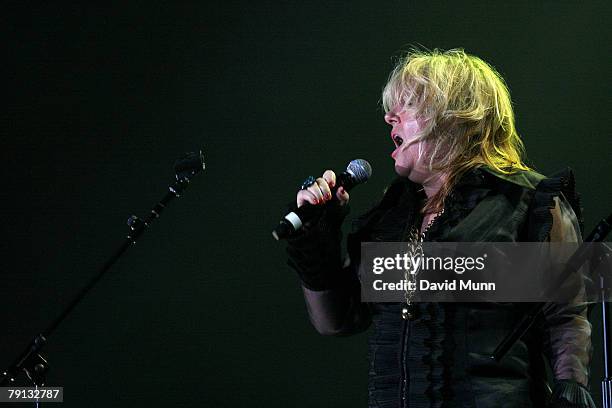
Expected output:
{"points": [[414, 250]]}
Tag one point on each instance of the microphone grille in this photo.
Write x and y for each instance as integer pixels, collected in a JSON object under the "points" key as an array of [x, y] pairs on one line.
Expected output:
{"points": [[360, 169]]}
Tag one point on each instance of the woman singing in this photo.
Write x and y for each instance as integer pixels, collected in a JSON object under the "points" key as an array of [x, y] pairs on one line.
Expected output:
{"points": [[461, 178]]}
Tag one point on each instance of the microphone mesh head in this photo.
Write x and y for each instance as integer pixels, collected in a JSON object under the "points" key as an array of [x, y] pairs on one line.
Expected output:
{"points": [[360, 169]]}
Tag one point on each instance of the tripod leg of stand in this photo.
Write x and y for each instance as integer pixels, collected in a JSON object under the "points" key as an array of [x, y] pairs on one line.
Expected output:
{"points": [[36, 371]]}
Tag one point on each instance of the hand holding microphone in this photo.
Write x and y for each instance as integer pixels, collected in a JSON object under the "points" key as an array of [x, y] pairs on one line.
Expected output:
{"points": [[322, 190], [311, 198]]}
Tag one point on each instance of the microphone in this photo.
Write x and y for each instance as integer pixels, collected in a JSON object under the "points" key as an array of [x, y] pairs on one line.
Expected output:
{"points": [[358, 171]]}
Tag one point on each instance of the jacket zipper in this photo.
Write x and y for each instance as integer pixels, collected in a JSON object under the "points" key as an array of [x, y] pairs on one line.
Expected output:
{"points": [[405, 377], [404, 373]]}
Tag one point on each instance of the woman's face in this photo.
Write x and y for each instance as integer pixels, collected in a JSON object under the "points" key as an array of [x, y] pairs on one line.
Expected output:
{"points": [[409, 159]]}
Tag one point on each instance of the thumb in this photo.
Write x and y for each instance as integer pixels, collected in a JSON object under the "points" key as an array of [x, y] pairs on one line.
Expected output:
{"points": [[342, 195]]}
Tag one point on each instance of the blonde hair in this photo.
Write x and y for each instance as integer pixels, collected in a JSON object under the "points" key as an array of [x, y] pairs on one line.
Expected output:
{"points": [[466, 111]]}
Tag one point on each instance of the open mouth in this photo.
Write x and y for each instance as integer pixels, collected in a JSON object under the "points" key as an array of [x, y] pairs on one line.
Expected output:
{"points": [[398, 140]]}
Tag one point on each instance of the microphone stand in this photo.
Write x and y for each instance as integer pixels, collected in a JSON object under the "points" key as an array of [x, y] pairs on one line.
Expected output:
{"points": [[30, 361], [577, 259]]}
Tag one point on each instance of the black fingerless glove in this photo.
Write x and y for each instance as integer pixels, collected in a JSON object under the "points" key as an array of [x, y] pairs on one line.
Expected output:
{"points": [[315, 251]]}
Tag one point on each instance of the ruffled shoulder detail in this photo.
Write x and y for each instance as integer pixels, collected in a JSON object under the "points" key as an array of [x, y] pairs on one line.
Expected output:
{"points": [[570, 394], [526, 179], [540, 217]]}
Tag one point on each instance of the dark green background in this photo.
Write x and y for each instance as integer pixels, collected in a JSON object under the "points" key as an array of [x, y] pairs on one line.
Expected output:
{"points": [[203, 311]]}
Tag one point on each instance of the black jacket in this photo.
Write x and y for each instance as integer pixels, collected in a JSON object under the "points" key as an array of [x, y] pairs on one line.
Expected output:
{"points": [[441, 358]]}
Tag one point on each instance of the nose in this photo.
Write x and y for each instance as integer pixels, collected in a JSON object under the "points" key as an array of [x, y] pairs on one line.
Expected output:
{"points": [[391, 118]]}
